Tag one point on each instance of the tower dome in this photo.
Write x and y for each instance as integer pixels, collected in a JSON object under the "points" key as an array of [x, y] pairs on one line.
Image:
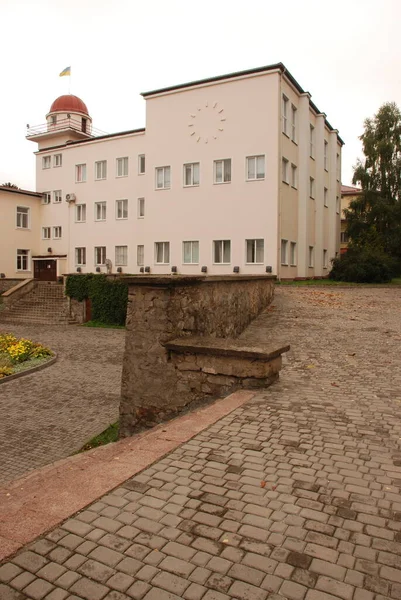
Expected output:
{"points": [[69, 104]]}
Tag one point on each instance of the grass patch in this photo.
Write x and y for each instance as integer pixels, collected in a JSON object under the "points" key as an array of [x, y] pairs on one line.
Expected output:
{"points": [[29, 364], [107, 436], [332, 283], [102, 325]]}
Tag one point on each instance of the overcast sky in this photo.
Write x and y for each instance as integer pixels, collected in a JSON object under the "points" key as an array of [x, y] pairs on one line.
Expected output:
{"points": [[346, 53]]}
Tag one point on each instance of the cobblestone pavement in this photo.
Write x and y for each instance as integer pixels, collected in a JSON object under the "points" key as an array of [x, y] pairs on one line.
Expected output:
{"points": [[294, 496], [50, 414]]}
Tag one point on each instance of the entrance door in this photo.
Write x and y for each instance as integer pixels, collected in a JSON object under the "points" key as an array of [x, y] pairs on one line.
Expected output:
{"points": [[45, 270]]}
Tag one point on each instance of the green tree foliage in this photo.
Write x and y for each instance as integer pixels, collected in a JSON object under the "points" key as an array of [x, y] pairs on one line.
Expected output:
{"points": [[109, 298], [363, 264]]}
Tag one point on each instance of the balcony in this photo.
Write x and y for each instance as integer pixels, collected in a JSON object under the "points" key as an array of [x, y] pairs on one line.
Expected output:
{"points": [[78, 128]]}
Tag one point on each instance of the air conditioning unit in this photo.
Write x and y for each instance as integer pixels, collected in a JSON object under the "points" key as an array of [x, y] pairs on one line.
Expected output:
{"points": [[70, 197]]}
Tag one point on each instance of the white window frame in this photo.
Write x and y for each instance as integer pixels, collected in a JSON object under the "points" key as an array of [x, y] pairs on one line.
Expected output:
{"points": [[141, 208], [80, 256], [326, 197], [100, 209], [163, 171], [259, 176], [141, 167], [312, 188], [80, 173], [46, 197], [311, 141], [284, 252], [326, 155], [57, 196], [258, 245], [46, 162], [165, 246], [191, 252], [57, 229], [57, 160], [284, 110], [325, 261], [190, 169], [121, 260], [122, 166], [103, 251], [294, 119], [311, 257], [122, 204], [293, 254], [100, 170], [140, 255], [80, 213], [294, 176], [223, 162], [23, 219], [46, 233], [222, 244], [27, 256], [284, 170]]}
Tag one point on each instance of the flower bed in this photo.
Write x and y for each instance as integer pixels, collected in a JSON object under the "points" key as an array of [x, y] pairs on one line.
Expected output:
{"points": [[18, 354]]}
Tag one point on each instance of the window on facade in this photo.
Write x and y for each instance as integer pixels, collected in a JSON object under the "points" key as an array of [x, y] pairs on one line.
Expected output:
{"points": [[326, 155], [338, 167], [162, 253], [57, 232], [284, 252], [122, 209], [191, 174], [344, 237], [100, 211], [80, 256], [57, 160], [140, 255], [46, 233], [22, 217], [162, 178], [53, 119], [80, 173], [338, 205], [294, 176], [122, 167], [310, 256], [324, 259], [326, 197], [285, 114], [46, 162], [255, 167], [121, 256], [22, 260], [293, 123], [57, 196], [255, 251], [222, 252], [100, 170], [141, 164], [293, 254], [190, 251], [141, 208], [80, 213], [46, 197], [100, 256], [311, 187], [284, 170], [222, 171], [312, 141]]}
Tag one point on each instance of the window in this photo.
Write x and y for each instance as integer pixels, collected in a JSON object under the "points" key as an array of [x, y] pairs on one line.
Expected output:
{"points": [[80, 213], [191, 174], [344, 237], [338, 168], [255, 167], [57, 232], [284, 249], [338, 205], [310, 256], [80, 173], [22, 260], [326, 155], [294, 176], [100, 256], [100, 170], [222, 252], [162, 253], [46, 162], [122, 167], [284, 169], [100, 211], [141, 164], [121, 256], [45, 233], [162, 178], [285, 114], [140, 255], [141, 208], [293, 123], [57, 196], [293, 255], [326, 197], [46, 197], [312, 141], [255, 251], [311, 187], [190, 253], [80, 256], [22, 217], [53, 119], [324, 259], [57, 160], [121, 209], [222, 171]]}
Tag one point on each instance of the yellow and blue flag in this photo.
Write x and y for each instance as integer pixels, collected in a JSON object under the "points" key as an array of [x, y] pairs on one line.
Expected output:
{"points": [[66, 71]]}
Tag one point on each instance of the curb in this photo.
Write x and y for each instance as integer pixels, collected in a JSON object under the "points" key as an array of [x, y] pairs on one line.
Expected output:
{"points": [[48, 363]]}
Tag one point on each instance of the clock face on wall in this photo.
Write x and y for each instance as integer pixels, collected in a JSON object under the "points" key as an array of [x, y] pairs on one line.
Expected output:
{"points": [[207, 122]]}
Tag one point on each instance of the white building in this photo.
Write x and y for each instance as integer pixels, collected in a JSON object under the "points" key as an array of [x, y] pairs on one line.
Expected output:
{"points": [[240, 171]]}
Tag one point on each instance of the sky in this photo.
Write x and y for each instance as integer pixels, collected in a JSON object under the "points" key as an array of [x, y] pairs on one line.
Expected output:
{"points": [[346, 53]]}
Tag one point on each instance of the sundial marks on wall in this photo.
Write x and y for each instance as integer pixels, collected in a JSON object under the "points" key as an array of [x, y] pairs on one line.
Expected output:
{"points": [[207, 122]]}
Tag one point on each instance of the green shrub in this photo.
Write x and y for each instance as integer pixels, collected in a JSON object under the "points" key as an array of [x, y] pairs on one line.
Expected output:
{"points": [[363, 265], [108, 298]]}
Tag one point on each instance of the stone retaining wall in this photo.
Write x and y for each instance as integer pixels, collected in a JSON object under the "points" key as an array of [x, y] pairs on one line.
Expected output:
{"points": [[7, 284]]}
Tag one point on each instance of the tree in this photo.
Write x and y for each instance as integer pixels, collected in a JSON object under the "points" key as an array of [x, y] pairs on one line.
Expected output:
{"points": [[10, 185]]}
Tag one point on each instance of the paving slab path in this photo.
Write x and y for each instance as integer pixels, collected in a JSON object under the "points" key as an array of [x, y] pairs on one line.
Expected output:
{"points": [[294, 495]]}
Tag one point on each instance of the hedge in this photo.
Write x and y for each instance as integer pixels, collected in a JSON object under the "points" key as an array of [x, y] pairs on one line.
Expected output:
{"points": [[108, 298]]}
